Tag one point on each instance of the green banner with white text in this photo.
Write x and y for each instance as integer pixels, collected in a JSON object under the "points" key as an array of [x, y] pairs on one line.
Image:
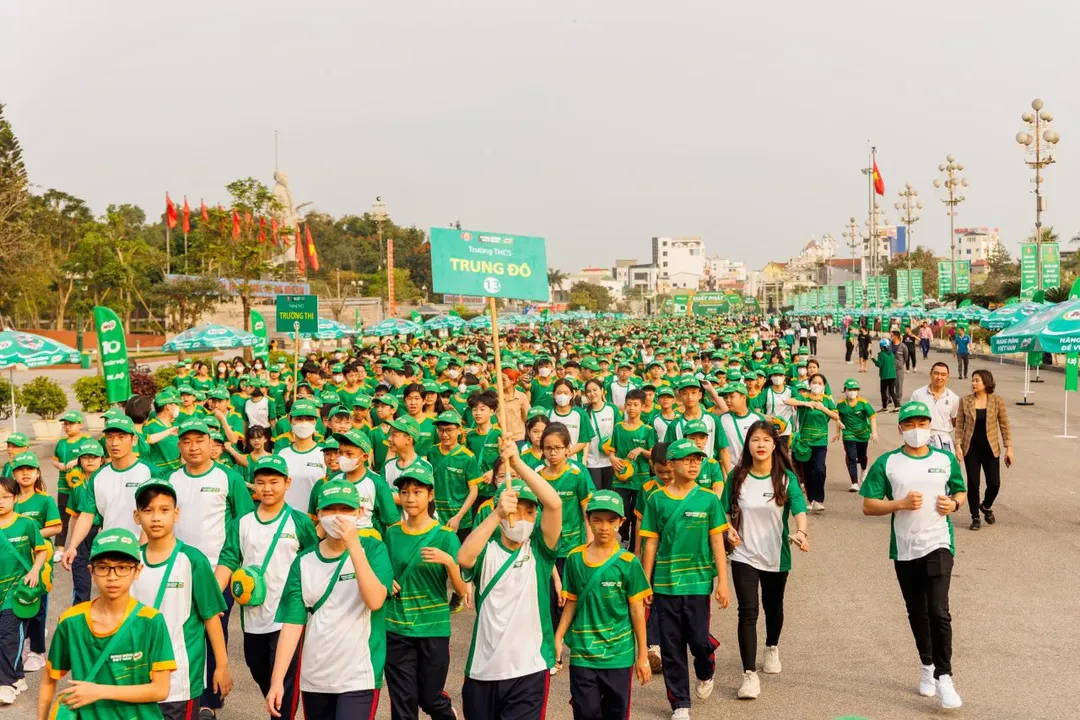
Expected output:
{"points": [[114, 356], [258, 329]]}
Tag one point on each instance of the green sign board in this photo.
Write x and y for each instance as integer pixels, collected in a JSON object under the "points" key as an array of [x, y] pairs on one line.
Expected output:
{"points": [[296, 312], [902, 290], [944, 278], [681, 303], [1029, 270], [474, 262], [915, 286], [1051, 265], [963, 276]]}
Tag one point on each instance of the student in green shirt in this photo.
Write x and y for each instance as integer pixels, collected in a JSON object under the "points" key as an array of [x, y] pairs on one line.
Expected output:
{"points": [[414, 407], [629, 450], [115, 625], [683, 529], [605, 590], [160, 433], [483, 438], [65, 462], [859, 423], [385, 410], [457, 474], [16, 443], [815, 412], [423, 555], [886, 365]]}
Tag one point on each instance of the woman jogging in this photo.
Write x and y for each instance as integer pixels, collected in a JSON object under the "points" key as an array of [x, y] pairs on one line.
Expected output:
{"points": [[814, 413]]}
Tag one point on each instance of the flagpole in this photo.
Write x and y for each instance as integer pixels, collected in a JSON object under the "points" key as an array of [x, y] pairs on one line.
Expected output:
{"points": [[168, 244], [185, 253]]}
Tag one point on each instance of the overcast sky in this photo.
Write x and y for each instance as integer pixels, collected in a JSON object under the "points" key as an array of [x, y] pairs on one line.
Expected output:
{"points": [[596, 124]]}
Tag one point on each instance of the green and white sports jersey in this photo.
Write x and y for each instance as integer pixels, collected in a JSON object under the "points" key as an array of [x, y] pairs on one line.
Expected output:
{"points": [[711, 476], [41, 508], [623, 440], [574, 486], [601, 636], [716, 438], [420, 609], [191, 598], [856, 419], [165, 453], [661, 424], [376, 500], [110, 494], [454, 472], [305, 469], [142, 649], [602, 422], [65, 453], [512, 635], [764, 524], [345, 641], [684, 558], [393, 470], [25, 539], [916, 533], [814, 424], [208, 502], [486, 449], [577, 424], [775, 405], [735, 429], [248, 540]]}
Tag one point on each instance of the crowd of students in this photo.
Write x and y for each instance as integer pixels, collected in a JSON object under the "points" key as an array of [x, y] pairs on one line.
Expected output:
{"points": [[589, 508]]}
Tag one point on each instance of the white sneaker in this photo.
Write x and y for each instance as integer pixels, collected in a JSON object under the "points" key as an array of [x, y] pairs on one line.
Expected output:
{"points": [[681, 714], [862, 475], [751, 686], [927, 684], [33, 662], [655, 663], [770, 664], [820, 507], [854, 487], [7, 695], [950, 699], [704, 688], [21, 686]]}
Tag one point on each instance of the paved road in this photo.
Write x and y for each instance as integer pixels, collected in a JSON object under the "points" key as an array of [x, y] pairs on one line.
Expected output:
{"points": [[846, 647]]}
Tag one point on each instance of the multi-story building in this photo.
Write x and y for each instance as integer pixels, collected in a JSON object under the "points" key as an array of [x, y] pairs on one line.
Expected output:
{"points": [[975, 244], [722, 273], [680, 262]]}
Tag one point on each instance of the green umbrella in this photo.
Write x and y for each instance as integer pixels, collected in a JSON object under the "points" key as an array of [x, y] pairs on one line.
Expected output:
{"points": [[1009, 315], [394, 326], [26, 349], [1054, 329], [328, 330], [210, 336], [444, 322]]}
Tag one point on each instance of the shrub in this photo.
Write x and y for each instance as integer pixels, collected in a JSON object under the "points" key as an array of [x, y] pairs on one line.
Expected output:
{"points": [[144, 384], [44, 397], [6, 411], [163, 376], [280, 357], [90, 392]]}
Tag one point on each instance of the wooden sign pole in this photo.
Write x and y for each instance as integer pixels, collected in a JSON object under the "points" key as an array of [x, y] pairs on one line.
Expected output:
{"points": [[500, 412]]}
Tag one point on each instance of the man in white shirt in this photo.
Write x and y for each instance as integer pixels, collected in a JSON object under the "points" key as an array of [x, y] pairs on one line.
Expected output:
{"points": [[943, 404]]}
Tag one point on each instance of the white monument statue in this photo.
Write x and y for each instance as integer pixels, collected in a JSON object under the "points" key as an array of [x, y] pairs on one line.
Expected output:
{"points": [[287, 216]]}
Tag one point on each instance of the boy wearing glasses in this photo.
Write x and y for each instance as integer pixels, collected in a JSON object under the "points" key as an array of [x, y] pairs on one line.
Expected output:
{"points": [[117, 649]]}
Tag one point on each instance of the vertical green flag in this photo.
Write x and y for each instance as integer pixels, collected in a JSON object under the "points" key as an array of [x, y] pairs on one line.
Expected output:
{"points": [[114, 357], [963, 276], [1071, 374], [945, 283], [902, 287], [1051, 265], [258, 329], [1028, 270], [915, 289]]}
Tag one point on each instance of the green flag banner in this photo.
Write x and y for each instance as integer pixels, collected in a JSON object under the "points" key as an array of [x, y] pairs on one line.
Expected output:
{"points": [[1029, 273], [1051, 265], [114, 356], [258, 329], [1071, 375], [944, 282], [902, 287], [915, 286], [963, 276]]}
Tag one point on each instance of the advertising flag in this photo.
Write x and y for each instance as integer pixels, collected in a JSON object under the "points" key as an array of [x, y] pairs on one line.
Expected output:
{"points": [[114, 356]]}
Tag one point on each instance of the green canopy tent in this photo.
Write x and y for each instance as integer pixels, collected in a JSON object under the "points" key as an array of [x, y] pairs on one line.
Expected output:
{"points": [[26, 350]]}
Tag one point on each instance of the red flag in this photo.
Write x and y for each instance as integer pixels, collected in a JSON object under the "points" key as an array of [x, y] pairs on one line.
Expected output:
{"points": [[187, 217], [262, 229], [247, 220], [300, 264], [273, 230], [235, 224], [309, 249], [203, 212], [170, 212], [220, 209], [879, 184]]}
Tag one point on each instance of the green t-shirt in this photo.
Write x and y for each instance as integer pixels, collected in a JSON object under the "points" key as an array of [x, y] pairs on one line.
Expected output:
{"points": [[165, 453], [711, 476], [25, 539], [542, 394], [41, 508], [420, 609], [601, 636], [575, 487], [380, 446], [856, 419], [142, 648], [814, 424], [623, 440], [426, 438], [454, 472], [486, 449], [684, 558], [65, 453]]}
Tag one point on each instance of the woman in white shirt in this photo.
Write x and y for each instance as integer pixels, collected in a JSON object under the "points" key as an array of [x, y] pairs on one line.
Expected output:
{"points": [[602, 417]]}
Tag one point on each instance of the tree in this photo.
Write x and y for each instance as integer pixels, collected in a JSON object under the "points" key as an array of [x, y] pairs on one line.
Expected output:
{"points": [[186, 300], [589, 296], [336, 289], [920, 259], [1000, 263], [15, 242], [555, 279]]}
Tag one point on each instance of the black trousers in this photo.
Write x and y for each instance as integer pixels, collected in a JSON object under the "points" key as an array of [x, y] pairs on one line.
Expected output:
{"points": [[855, 454], [924, 583], [80, 570], [35, 627], [814, 470], [889, 392], [746, 579], [523, 698], [12, 635], [813, 345], [61, 505], [601, 694], [652, 626], [684, 622], [180, 710], [416, 677], [982, 457], [962, 364], [355, 705], [211, 699], [602, 477], [556, 611], [628, 532], [259, 653], [849, 348]]}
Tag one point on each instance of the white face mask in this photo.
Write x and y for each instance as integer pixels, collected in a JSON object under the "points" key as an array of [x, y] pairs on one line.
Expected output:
{"points": [[347, 464], [802, 373], [174, 412], [339, 379], [562, 400], [562, 356], [916, 437], [851, 394], [522, 530], [454, 374], [817, 388], [329, 525], [303, 430], [544, 372], [462, 387], [778, 381]]}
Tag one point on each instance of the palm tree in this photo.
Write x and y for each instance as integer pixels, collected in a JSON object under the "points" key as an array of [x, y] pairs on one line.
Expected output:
{"points": [[1008, 289], [1056, 294], [555, 280], [1048, 235]]}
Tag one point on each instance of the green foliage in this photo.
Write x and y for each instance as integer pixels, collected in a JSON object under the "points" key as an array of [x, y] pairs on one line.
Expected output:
{"points": [[44, 397], [5, 400], [90, 392], [1000, 263], [1057, 294], [921, 259], [588, 296], [164, 375], [280, 357], [187, 300], [464, 313]]}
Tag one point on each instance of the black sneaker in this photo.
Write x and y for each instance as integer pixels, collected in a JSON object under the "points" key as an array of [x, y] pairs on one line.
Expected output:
{"points": [[975, 523], [989, 515], [207, 714]]}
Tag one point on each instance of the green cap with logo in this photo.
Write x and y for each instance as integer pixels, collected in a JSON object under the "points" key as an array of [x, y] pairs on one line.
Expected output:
{"points": [[417, 472], [665, 391], [270, 464], [330, 444], [337, 410], [90, 447], [606, 500], [72, 416], [407, 425], [120, 422], [695, 427], [361, 401], [734, 387], [217, 393], [18, 439], [517, 485], [166, 397], [688, 381], [336, 492], [389, 400], [683, 449], [354, 437], [194, 425], [851, 384], [304, 409], [155, 482], [25, 459], [448, 417], [116, 540], [914, 409]]}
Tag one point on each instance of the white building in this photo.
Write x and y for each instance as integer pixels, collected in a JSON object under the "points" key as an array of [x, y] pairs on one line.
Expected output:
{"points": [[975, 244], [723, 273], [680, 262]]}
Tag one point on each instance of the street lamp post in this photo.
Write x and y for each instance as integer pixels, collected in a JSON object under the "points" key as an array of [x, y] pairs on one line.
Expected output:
{"points": [[381, 216], [909, 208], [1038, 144], [952, 182], [854, 242]]}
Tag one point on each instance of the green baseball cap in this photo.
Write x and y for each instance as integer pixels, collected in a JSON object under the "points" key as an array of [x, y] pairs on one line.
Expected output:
{"points": [[448, 417], [406, 425], [518, 485], [337, 492], [777, 370], [665, 391], [194, 425], [851, 384], [274, 464], [25, 459], [217, 435], [186, 390], [304, 409], [535, 412], [354, 437], [329, 444], [361, 401], [393, 364], [120, 422], [72, 416], [155, 482], [18, 439], [734, 387], [90, 447], [688, 381], [695, 427], [606, 500], [217, 393], [914, 410], [417, 472], [683, 449], [337, 410], [166, 397], [389, 400], [116, 540]]}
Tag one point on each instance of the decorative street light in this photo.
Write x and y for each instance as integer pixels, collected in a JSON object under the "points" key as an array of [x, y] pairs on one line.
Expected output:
{"points": [[909, 208], [1038, 144], [381, 216], [952, 182]]}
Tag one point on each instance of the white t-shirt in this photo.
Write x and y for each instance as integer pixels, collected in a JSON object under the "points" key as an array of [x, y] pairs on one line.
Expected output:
{"points": [[207, 504], [258, 413], [603, 422], [762, 528], [776, 406], [305, 469], [735, 430], [111, 494], [943, 410]]}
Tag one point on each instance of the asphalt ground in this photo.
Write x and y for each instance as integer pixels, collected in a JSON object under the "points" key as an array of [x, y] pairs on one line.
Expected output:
{"points": [[846, 647]]}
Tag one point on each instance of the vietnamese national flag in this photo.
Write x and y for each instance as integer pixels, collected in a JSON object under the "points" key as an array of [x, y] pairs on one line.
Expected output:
{"points": [[235, 224], [301, 266], [262, 229], [203, 211], [879, 184], [187, 217], [309, 250], [170, 212], [273, 231]]}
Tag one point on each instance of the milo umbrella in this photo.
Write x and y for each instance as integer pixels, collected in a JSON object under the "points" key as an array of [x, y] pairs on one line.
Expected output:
{"points": [[1009, 315], [328, 330], [480, 322], [444, 322], [211, 336], [394, 326], [28, 350]]}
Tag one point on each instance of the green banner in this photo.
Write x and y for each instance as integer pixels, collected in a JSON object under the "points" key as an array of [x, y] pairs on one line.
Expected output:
{"points": [[258, 329], [1029, 271], [1071, 361], [681, 303], [860, 293], [114, 356], [296, 312], [472, 262], [915, 285], [902, 287], [963, 276], [944, 281], [1051, 265], [849, 293]]}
